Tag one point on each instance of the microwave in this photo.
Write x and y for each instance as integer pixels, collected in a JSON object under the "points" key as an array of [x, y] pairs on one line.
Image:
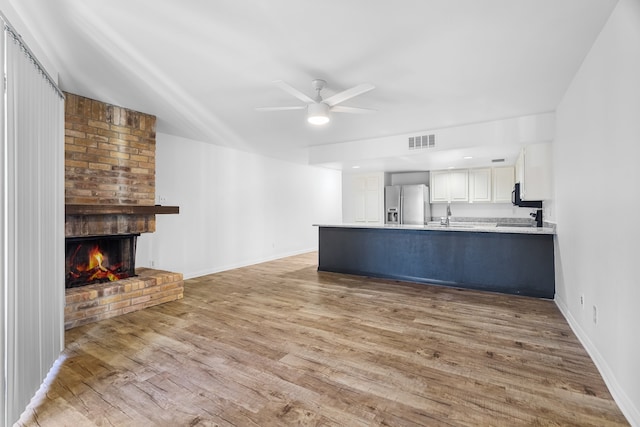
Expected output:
{"points": [[517, 200]]}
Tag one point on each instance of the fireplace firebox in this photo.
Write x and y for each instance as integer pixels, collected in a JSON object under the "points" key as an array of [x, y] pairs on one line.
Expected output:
{"points": [[97, 259]]}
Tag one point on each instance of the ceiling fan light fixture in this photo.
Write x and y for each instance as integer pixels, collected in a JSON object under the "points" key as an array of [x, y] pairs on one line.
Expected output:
{"points": [[318, 114], [318, 109]]}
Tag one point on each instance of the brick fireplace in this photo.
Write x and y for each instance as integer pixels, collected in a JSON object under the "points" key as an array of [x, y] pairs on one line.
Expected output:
{"points": [[110, 193]]}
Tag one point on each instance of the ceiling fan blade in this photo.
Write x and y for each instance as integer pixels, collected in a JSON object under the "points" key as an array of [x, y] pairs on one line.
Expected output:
{"points": [[297, 107], [343, 109], [293, 91], [348, 94]]}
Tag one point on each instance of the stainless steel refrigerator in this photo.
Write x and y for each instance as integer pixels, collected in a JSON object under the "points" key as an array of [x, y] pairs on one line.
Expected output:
{"points": [[407, 204]]}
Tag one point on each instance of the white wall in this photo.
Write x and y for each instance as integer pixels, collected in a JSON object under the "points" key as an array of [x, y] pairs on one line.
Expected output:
{"points": [[481, 210], [597, 253], [236, 208]]}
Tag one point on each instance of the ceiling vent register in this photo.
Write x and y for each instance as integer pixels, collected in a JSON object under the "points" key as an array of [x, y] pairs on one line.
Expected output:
{"points": [[422, 142]]}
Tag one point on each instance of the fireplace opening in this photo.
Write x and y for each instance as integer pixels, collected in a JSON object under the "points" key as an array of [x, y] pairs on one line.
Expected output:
{"points": [[98, 259]]}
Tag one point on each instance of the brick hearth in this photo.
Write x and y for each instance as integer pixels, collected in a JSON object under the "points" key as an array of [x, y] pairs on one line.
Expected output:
{"points": [[100, 301]]}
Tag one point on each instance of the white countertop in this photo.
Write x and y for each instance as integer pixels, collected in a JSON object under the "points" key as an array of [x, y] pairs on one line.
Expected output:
{"points": [[477, 227]]}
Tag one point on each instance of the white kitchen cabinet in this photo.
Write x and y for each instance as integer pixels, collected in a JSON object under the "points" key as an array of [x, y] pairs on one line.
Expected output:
{"points": [[534, 172], [503, 181], [439, 183], [480, 185], [449, 186], [366, 196], [459, 185], [519, 167], [483, 185]]}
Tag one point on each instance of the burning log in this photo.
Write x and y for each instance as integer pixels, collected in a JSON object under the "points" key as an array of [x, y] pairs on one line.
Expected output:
{"points": [[97, 269]]}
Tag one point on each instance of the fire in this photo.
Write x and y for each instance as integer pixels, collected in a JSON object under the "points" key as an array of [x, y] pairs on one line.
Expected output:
{"points": [[95, 256], [97, 269]]}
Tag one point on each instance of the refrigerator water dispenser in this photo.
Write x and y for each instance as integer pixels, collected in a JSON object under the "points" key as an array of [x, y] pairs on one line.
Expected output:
{"points": [[392, 216]]}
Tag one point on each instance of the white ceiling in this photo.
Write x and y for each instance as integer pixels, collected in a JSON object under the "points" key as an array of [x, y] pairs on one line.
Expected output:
{"points": [[203, 66]]}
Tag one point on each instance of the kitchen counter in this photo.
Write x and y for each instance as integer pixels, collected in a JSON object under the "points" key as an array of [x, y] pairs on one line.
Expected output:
{"points": [[514, 260], [479, 227]]}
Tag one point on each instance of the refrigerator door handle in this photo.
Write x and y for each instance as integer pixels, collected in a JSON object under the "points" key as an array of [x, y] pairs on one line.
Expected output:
{"points": [[401, 208]]}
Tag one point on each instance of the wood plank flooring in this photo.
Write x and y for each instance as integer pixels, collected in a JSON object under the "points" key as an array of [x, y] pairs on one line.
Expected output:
{"points": [[282, 344]]}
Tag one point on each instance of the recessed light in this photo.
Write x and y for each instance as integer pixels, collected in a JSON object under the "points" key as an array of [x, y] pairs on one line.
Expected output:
{"points": [[468, 157], [355, 167], [450, 167]]}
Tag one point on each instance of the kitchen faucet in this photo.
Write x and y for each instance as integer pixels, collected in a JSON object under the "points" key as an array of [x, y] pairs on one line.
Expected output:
{"points": [[448, 213], [537, 215], [446, 221]]}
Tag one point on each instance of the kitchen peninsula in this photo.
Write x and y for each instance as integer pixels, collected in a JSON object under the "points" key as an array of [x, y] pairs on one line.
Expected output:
{"points": [[513, 260]]}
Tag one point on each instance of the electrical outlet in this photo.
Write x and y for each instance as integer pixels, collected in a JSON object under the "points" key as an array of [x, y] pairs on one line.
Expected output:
{"points": [[152, 263], [162, 199], [582, 301], [595, 315]]}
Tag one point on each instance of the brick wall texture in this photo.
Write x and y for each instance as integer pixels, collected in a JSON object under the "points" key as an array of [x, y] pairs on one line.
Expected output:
{"points": [[98, 301], [109, 154]]}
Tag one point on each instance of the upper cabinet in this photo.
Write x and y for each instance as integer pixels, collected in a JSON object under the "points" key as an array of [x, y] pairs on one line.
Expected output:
{"points": [[503, 182], [482, 185], [533, 172], [459, 185], [439, 183], [449, 186]]}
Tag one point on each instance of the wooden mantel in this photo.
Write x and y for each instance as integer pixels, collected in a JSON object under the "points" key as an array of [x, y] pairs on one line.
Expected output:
{"points": [[120, 210]]}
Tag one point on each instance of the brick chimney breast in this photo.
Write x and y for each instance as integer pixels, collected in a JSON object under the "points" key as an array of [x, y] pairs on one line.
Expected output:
{"points": [[109, 154], [109, 161]]}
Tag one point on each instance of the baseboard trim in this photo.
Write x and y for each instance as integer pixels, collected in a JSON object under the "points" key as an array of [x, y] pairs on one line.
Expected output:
{"points": [[626, 405]]}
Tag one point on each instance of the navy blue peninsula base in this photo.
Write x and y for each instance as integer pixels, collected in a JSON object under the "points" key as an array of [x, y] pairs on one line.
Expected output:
{"points": [[498, 260]]}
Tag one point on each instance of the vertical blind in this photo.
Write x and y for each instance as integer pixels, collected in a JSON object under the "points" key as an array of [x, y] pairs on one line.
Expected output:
{"points": [[32, 225]]}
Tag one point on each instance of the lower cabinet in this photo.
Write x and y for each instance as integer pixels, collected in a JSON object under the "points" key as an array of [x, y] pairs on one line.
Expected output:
{"points": [[512, 263]]}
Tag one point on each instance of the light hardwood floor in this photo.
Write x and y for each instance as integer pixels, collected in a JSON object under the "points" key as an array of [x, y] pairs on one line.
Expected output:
{"points": [[281, 344]]}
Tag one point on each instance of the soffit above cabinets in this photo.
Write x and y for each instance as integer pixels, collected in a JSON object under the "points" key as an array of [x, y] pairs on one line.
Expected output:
{"points": [[469, 146]]}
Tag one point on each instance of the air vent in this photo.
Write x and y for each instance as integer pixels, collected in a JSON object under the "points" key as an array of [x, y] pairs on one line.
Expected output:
{"points": [[421, 142], [497, 161]]}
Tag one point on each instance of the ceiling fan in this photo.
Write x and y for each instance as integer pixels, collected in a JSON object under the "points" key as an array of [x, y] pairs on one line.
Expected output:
{"points": [[317, 108]]}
